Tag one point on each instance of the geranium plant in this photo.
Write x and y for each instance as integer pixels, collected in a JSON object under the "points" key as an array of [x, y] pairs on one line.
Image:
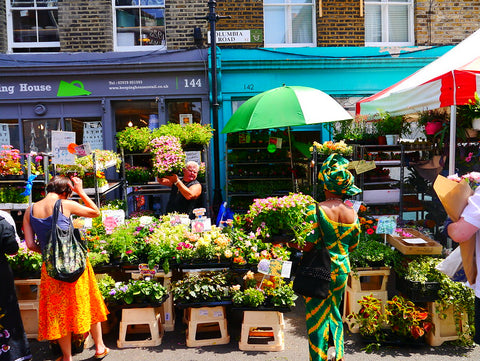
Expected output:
{"points": [[10, 161], [279, 215], [168, 155]]}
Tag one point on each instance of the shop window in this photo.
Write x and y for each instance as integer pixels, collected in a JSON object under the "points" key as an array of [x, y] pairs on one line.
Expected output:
{"points": [[134, 113], [32, 25], [87, 130], [183, 112], [37, 134], [289, 22], [139, 24], [9, 133], [389, 22]]}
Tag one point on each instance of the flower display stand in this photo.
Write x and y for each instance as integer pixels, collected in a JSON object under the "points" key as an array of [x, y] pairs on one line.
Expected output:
{"points": [[166, 310], [203, 322], [262, 331], [27, 295], [364, 282], [140, 316], [443, 329]]}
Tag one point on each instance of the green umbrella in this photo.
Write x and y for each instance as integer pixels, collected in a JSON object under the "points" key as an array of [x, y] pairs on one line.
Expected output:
{"points": [[286, 106]]}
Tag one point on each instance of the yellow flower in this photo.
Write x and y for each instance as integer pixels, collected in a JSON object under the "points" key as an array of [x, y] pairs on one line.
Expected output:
{"points": [[228, 253]]}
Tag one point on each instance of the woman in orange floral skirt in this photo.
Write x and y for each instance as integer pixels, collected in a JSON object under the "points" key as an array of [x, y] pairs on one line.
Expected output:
{"points": [[65, 308]]}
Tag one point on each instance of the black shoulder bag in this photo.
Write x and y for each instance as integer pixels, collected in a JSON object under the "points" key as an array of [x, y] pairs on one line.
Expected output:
{"points": [[313, 275], [65, 254]]}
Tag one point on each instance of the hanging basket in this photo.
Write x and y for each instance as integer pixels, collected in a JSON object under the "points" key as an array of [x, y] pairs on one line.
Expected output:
{"points": [[432, 128]]}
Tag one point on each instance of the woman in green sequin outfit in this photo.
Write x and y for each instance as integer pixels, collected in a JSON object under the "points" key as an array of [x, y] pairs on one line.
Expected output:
{"points": [[338, 226]]}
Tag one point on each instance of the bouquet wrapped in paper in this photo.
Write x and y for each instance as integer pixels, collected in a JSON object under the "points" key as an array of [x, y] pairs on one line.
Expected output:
{"points": [[454, 194]]}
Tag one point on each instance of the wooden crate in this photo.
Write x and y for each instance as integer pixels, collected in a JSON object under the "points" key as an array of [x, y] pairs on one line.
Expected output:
{"points": [[431, 247], [443, 329]]}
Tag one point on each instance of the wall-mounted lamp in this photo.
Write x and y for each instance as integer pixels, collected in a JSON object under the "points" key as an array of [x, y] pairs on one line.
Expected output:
{"points": [[198, 37]]}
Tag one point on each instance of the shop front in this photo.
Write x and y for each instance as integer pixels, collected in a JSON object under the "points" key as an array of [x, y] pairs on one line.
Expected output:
{"points": [[97, 95]]}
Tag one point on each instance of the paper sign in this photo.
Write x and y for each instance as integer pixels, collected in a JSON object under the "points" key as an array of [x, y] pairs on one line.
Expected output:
{"points": [[60, 142], [275, 267], [386, 224], [83, 150], [201, 225], [180, 219], [4, 134], [112, 218], [185, 119], [193, 155], [364, 166], [414, 240], [93, 134]]}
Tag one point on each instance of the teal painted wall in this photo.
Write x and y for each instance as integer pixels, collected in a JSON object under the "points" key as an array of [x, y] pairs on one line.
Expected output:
{"points": [[342, 72]]}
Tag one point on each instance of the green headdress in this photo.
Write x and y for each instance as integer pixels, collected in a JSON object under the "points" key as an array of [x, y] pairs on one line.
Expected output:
{"points": [[336, 178]]}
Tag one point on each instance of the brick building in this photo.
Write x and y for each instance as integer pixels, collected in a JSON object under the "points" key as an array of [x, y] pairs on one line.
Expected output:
{"points": [[138, 58]]}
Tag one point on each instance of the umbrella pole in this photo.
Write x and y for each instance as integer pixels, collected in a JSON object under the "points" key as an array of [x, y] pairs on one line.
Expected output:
{"points": [[294, 180]]}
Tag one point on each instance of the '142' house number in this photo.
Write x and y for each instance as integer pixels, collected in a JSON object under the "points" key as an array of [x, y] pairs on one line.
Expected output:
{"points": [[193, 83]]}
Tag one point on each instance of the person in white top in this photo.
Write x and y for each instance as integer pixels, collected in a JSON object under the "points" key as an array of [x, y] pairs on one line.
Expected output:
{"points": [[463, 230]]}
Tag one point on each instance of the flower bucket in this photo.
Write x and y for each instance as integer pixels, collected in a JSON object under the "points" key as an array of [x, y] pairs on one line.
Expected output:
{"points": [[433, 127], [392, 139], [476, 123]]}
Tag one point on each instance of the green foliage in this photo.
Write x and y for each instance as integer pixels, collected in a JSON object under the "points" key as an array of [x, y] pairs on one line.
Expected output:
{"points": [[372, 253], [131, 292], [193, 133], [390, 124], [134, 139], [208, 287], [137, 175], [282, 294], [25, 263], [471, 110], [251, 297]]}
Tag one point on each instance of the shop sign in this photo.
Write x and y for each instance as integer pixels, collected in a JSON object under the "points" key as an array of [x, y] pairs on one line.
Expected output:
{"points": [[238, 36], [111, 85]]}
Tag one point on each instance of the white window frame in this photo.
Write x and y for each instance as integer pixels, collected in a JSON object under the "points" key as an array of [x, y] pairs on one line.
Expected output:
{"points": [[26, 45], [385, 4], [117, 47], [288, 22]]}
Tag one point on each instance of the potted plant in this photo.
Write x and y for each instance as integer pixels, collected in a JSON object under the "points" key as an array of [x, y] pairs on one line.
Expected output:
{"points": [[134, 139], [168, 155], [137, 174], [397, 322], [26, 263], [328, 147], [10, 161], [432, 120], [282, 216], [192, 134], [389, 125], [134, 293], [471, 111], [202, 289]]}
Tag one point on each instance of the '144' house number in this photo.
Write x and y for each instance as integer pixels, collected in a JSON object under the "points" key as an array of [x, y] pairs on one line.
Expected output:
{"points": [[193, 83]]}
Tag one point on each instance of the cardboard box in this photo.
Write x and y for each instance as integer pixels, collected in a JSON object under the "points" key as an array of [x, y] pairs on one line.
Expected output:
{"points": [[430, 247]]}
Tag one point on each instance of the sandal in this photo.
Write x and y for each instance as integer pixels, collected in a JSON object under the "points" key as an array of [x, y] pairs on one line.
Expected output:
{"points": [[99, 356]]}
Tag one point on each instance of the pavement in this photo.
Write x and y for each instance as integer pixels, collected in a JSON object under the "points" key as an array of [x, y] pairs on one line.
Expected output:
{"points": [[173, 347]]}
